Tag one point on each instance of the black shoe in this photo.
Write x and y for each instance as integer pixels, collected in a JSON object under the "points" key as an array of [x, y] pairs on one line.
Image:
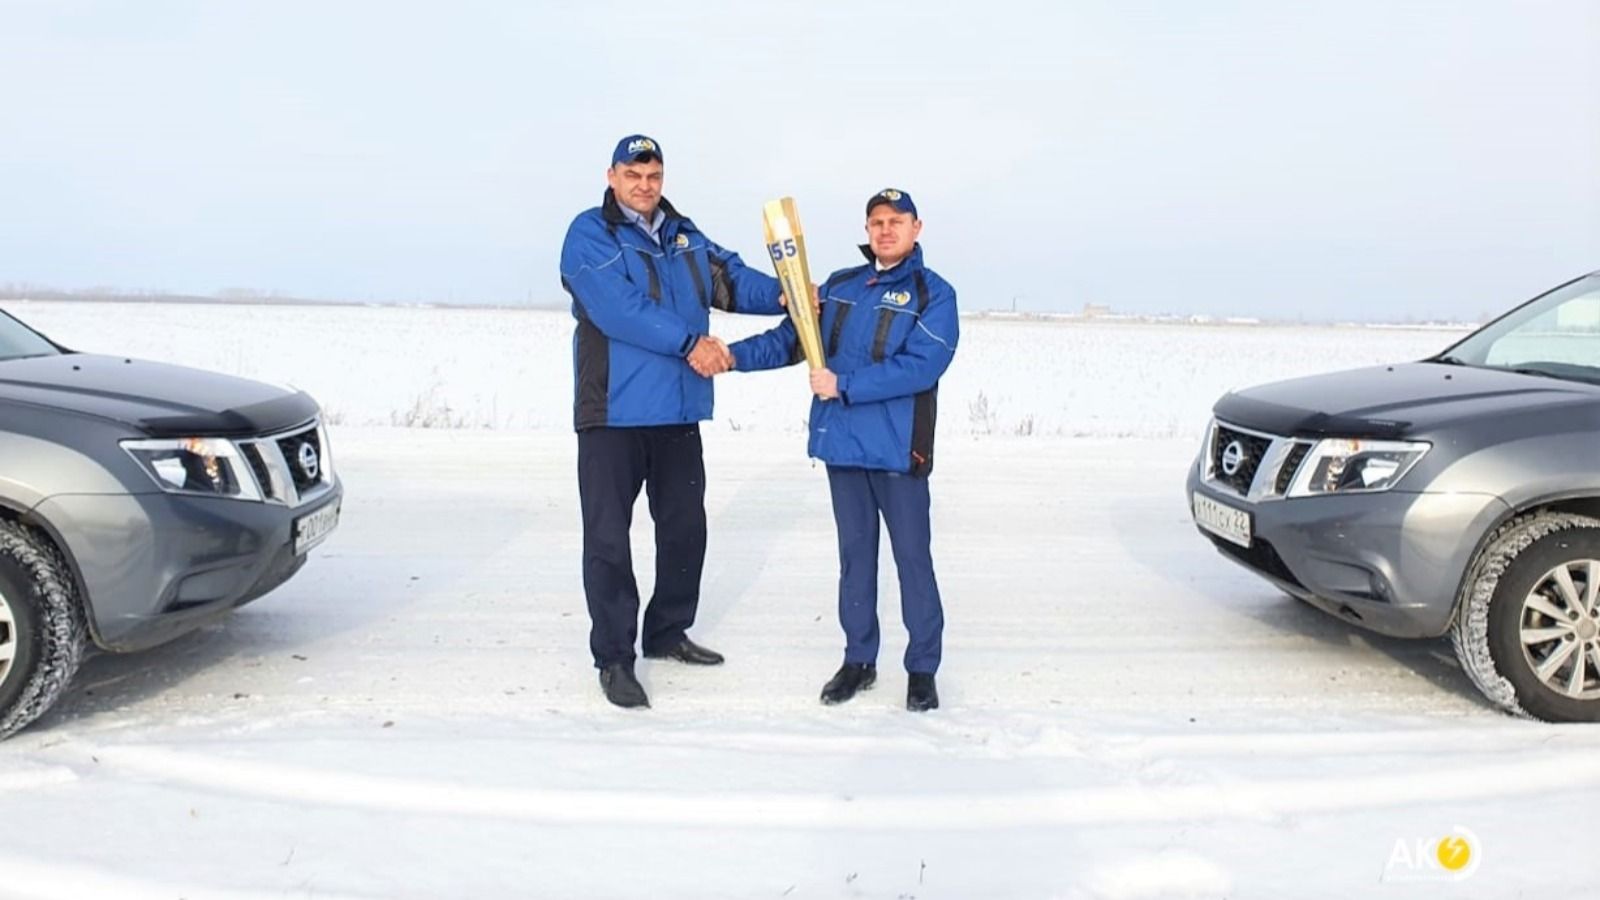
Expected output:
{"points": [[687, 651], [622, 688], [850, 678], [921, 695]]}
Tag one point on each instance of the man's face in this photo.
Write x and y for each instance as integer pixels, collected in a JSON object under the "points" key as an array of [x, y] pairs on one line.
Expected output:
{"points": [[637, 185], [892, 233]]}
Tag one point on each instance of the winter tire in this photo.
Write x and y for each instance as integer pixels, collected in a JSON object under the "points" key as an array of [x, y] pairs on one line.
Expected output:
{"points": [[41, 626], [1527, 630]]}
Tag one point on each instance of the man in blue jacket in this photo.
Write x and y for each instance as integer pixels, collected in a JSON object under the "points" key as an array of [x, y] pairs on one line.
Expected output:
{"points": [[889, 331], [643, 280]]}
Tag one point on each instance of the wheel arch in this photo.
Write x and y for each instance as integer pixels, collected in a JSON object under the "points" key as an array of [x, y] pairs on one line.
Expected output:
{"points": [[1582, 503], [11, 512]]}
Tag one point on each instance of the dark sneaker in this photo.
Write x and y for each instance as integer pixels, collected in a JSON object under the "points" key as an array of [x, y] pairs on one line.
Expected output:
{"points": [[921, 695], [622, 688], [687, 651], [851, 678]]}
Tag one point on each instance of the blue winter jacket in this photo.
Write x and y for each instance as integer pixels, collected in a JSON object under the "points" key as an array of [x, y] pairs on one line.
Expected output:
{"points": [[640, 309], [889, 336]]}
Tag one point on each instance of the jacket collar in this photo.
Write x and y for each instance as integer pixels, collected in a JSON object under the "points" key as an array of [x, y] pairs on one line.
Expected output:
{"points": [[901, 270], [611, 210]]}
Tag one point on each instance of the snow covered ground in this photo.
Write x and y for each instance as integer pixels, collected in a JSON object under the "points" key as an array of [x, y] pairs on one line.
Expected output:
{"points": [[1126, 714], [512, 369]]}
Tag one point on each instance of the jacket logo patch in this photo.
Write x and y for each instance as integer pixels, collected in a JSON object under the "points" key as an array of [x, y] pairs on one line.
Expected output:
{"points": [[898, 298], [681, 242]]}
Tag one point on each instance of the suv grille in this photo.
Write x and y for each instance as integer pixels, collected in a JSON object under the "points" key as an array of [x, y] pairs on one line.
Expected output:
{"points": [[305, 466], [258, 465], [1251, 450], [1291, 465], [292, 467]]}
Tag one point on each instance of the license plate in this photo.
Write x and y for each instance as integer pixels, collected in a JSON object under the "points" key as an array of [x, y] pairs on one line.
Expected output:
{"points": [[313, 528], [1223, 521]]}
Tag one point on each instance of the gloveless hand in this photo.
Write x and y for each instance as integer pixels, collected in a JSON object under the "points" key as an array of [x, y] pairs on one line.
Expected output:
{"points": [[824, 383], [710, 356], [816, 300]]}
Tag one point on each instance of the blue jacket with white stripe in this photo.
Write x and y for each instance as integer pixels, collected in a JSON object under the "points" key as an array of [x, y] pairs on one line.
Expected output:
{"points": [[889, 336], [640, 309]]}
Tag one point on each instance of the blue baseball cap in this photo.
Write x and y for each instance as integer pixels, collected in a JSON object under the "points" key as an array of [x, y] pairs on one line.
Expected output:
{"points": [[636, 148], [900, 200]]}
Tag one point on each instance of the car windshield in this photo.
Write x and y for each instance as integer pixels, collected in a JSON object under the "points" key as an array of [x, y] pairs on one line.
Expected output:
{"points": [[1556, 335], [18, 340]]}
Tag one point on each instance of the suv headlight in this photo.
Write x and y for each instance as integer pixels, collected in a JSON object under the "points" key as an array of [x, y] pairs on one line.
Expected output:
{"points": [[210, 466], [1345, 466]]}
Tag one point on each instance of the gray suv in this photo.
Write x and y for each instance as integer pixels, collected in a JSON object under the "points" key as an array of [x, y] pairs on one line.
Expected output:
{"points": [[1458, 494], [139, 501]]}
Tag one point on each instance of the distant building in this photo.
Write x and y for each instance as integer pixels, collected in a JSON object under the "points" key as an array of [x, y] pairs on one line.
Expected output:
{"points": [[1092, 310]]}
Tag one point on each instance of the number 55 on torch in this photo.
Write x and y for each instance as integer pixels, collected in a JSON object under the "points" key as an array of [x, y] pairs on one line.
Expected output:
{"points": [[786, 244]]}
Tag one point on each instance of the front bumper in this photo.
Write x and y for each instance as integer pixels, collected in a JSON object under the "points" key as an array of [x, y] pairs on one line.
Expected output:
{"points": [[154, 566], [1391, 562]]}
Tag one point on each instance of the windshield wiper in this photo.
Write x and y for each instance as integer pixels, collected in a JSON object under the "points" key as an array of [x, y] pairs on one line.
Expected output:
{"points": [[1448, 361], [1570, 375]]}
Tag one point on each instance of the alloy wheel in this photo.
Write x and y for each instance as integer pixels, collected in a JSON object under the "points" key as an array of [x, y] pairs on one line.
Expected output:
{"points": [[1560, 630], [8, 639]]}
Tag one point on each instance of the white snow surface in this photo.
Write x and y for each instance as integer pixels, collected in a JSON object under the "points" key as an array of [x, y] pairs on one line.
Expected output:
{"points": [[1126, 714]]}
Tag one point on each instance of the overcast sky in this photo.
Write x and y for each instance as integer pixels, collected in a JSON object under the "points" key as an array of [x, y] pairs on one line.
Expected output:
{"points": [[1352, 160]]}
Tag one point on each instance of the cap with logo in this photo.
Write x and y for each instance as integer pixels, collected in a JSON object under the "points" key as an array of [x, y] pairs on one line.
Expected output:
{"points": [[900, 200], [636, 148]]}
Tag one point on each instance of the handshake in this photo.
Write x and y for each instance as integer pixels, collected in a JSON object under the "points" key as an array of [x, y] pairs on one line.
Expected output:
{"points": [[710, 356]]}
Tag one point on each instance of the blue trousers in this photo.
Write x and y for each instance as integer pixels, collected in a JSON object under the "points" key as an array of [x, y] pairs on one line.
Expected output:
{"points": [[613, 463], [860, 497]]}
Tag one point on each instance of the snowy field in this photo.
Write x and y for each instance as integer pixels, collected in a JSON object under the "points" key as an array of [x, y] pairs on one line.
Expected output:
{"points": [[1126, 714], [512, 369]]}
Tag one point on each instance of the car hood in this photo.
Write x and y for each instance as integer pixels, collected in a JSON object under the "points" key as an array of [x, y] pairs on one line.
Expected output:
{"points": [[1392, 401], [154, 398]]}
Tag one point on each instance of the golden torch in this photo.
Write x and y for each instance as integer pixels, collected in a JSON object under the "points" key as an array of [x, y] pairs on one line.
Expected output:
{"points": [[786, 244]]}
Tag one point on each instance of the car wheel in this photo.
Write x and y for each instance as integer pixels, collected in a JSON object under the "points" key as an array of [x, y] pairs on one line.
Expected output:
{"points": [[42, 631], [1527, 629]]}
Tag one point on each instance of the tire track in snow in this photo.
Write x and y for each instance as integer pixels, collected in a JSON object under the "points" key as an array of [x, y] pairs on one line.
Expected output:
{"points": [[1115, 804]]}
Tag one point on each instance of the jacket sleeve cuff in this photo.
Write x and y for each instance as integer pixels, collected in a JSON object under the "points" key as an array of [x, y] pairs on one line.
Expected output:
{"points": [[688, 345], [843, 386]]}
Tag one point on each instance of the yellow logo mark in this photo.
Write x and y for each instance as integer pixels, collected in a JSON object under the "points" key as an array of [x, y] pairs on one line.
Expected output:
{"points": [[1453, 856], [891, 195], [898, 298], [642, 145], [682, 241], [1454, 853]]}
